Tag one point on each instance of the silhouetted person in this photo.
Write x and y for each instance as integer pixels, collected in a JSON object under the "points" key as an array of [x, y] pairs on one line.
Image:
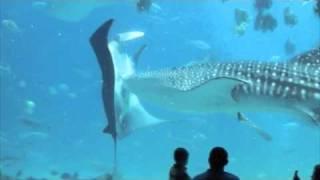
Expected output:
{"points": [[179, 171], [316, 172], [218, 159], [296, 176]]}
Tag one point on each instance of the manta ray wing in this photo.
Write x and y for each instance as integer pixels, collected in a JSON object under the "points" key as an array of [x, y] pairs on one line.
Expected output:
{"points": [[99, 43]]}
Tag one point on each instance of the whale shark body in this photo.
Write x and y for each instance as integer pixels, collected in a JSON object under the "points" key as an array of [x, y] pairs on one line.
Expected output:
{"points": [[254, 86], [291, 87]]}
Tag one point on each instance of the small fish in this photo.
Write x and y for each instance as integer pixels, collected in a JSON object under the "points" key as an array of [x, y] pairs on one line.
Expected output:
{"points": [[156, 7], [200, 44], [54, 173], [30, 123], [289, 47], [10, 25], [305, 2], [29, 107], [63, 87], [74, 10], [291, 125], [5, 68], [3, 139], [37, 134], [289, 17], [19, 173], [144, 5], [41, 5], [9, 158]]}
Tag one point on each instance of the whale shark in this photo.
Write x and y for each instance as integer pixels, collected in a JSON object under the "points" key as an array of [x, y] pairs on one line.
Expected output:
{"points": [[234, 87], [291, 87]]}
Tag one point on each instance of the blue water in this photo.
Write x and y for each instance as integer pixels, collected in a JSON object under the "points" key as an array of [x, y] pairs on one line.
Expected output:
{"points": [[48, 61]]}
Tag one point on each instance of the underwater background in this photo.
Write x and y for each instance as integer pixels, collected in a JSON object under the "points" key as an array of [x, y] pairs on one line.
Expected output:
{"points": [[51, 113]]}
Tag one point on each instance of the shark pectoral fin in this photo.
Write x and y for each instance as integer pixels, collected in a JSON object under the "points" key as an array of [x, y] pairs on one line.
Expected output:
{"points": [[317, 114], [241, 117], [235, 93], [238, 89], [312, 114], [266, 136]]}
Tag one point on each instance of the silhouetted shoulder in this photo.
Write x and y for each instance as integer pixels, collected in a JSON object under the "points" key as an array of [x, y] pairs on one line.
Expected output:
{"points": [[202, 176], [224, 176], [229, 176], [178, 172]]}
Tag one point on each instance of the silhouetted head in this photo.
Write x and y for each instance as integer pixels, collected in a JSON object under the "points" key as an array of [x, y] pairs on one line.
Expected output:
{"points": [[316, 172], [181, 156], [218, 158]]}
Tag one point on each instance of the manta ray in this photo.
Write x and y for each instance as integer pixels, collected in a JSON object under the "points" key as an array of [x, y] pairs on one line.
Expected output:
{"points": [[123, 109], [234, 87]]}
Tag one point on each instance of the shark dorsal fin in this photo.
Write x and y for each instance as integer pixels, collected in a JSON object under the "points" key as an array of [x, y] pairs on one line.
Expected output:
{"points": [[311, 57]]}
